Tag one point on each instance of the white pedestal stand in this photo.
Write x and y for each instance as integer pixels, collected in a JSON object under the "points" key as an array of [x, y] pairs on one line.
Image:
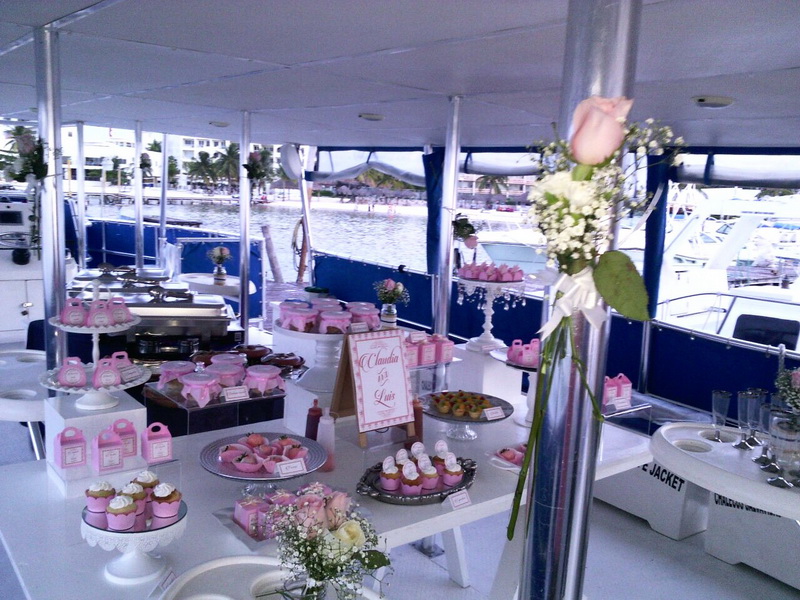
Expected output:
{"points": [[321, 377], [525, 420], [94, 398], [485, 293], [135, 566]]}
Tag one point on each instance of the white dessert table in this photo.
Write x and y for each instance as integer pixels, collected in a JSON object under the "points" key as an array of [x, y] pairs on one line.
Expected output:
{"points": [[41, 529], [203, 283], [21, 395], [721, 468]]}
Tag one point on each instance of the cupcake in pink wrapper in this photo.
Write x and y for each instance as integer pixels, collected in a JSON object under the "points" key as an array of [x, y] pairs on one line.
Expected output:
{"points": [[390, 475], [121, 513], [98, 496], [166, 500], [441, 454], [410, 480], [148, 480], [137, 493], [453, 473], [430, 477], [401, 457]]}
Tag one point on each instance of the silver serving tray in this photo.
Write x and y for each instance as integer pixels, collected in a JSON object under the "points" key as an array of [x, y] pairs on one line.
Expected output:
{"points": [[432, 411], [209, 458], [369, 485]]}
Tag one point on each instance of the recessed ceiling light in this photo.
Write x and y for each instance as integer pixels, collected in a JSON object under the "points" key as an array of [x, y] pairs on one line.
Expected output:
{"points": [[219, 123], [712, 101], [370, 116]]}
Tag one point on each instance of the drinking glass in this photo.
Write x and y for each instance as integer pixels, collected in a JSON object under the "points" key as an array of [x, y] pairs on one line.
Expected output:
{"points": [[785, 441], [758, 397], [743, 400], [720, 401]]}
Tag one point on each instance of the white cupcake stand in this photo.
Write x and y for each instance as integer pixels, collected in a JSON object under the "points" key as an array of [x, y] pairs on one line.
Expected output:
{"points": [[485, 293], [135, 566]]}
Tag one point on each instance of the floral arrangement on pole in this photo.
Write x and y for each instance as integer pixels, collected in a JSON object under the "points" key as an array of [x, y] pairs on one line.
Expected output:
{"points": [[219, 254], [788, 386], [30, 167], [464, 231], [391, 292], [323, 539], [582, 191]]}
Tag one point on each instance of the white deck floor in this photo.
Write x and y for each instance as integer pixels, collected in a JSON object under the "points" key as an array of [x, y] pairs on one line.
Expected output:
{"points": [[627, 560]]}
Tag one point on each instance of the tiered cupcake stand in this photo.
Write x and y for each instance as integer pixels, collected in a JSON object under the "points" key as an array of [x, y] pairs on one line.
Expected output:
{"points": [[484, 293], [135, 566], [95, 398]]}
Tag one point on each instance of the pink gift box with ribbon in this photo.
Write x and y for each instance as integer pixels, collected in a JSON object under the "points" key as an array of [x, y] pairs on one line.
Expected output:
{"points": [[263, 378], [200, 387]]}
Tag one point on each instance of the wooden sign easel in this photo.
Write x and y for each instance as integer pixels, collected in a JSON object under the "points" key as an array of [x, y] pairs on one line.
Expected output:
{"points": [[373, 383]]}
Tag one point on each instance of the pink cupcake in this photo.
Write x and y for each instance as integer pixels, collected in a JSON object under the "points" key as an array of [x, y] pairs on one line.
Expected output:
{"points": [[438, 458], [137, 494], [166, 500], [390, 475], [98, 496], [453, 473], [430, 476], [410, 481], [121, 513]]}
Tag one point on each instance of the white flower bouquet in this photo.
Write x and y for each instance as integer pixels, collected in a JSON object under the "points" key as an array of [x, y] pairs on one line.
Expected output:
{"points": [[324, 540]]}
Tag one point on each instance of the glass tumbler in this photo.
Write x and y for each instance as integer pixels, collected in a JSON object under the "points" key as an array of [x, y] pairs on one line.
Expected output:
{"points": [[743, 400], [785, 442]]}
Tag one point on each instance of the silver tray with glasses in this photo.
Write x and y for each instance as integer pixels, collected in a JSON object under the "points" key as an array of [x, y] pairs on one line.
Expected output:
{"points": [[370, 485], [210, 460]]}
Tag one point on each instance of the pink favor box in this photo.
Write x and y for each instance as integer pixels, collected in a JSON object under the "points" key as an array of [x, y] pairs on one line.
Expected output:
{"points": [[107, 452], [156, 443], [70, 448], [127, 433]]}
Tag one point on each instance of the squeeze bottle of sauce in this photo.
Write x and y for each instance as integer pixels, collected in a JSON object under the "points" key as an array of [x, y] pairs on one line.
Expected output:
{"points": [[312, 420]]}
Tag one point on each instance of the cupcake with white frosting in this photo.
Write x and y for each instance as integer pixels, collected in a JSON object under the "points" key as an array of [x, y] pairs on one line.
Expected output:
{"points": [[166, 500], [98, 496], [121, 513]]}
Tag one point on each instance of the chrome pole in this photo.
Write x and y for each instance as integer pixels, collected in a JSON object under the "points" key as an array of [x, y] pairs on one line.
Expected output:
{"points": [[444, 279], [80, 172], [244, 226], [51, 207], [600, 59], [137, 196], [307, 155], [162, 215]]}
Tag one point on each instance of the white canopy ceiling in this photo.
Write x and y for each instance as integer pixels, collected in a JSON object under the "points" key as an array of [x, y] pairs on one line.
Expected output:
{"points": [[306, 70]]}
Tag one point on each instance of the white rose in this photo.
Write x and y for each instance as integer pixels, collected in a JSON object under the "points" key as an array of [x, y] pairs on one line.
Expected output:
{"points": [[351, 534]]}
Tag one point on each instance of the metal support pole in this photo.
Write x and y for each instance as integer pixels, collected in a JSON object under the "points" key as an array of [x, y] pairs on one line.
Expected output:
{"points": [[51, 207], [244, 226], [307, 156], [137, 197], [600, 60], [444, 280], [80, 172], [162, 215]]}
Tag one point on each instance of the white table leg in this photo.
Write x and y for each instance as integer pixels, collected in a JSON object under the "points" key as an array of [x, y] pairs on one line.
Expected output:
{"points": [[453, 544]]}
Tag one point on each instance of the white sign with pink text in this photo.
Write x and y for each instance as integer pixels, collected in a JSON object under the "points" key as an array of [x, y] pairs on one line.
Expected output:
{"points": [[382, 386]]}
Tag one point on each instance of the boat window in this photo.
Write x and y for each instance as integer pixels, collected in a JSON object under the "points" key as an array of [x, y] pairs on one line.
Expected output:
{"points": [[767, 330]]}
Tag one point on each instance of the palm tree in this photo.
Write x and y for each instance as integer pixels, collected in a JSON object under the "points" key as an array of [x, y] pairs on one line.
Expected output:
{"points": [[227, 164], [496, 184], [15, 134], [154, 146], [172, 170], [202, 169]]}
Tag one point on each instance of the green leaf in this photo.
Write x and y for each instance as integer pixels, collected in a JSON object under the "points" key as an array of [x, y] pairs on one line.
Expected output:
{"points": [[373, 559], [620, 284]]}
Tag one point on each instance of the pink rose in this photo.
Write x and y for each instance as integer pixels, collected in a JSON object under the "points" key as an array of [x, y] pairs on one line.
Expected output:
{"points": [[336, 508], [471, 242], [597, 128], [311, 513], [389, 285]]}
